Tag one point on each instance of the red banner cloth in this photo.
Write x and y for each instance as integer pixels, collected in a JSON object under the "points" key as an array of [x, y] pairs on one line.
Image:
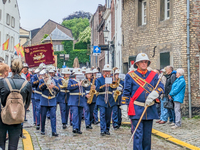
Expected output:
{"points": [[35, 55]]}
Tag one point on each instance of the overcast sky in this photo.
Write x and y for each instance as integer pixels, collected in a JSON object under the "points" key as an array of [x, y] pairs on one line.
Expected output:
{"points": [[34, 13]]}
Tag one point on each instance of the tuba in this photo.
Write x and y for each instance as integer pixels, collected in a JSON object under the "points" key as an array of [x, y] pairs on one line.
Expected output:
{"points": [[117, 92], [86, 83], [92, 92], [114, 84]]}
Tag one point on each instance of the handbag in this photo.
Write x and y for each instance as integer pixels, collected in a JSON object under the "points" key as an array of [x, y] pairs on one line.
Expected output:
{"points": [[169, 104]]}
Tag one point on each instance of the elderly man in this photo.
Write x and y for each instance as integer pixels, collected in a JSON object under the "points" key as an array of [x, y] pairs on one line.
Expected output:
{"points": [[170, 78], [139, 86]]}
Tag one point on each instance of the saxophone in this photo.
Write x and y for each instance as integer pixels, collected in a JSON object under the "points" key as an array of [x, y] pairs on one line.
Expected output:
{"points": [[117, 92], [92, 92]]}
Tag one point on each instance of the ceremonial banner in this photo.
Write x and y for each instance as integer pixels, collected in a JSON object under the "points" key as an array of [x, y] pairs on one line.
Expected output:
{"points": [[37, 54]]}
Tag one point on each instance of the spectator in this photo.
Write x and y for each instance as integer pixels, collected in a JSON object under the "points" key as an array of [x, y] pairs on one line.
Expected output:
{"points": [[177, 93], [163, 110], [16, 81], [158, 106], [170, 78]]}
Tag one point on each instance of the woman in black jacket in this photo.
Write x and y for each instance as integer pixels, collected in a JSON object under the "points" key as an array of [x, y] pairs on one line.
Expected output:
{"points": [[16, 82]]}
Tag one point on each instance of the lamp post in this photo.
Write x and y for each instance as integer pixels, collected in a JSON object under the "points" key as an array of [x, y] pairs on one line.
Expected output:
{"points": [[106, 33]]}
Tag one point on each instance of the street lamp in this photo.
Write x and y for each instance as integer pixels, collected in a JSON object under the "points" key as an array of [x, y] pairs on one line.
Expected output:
{"points": [[106, 33]]}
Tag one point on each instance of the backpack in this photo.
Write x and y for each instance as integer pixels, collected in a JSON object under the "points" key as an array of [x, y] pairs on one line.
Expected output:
{"points": [[14, 111]]}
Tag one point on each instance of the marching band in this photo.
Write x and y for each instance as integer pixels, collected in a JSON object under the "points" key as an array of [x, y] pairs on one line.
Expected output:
{"points": [[80, 94], [85, 91]]}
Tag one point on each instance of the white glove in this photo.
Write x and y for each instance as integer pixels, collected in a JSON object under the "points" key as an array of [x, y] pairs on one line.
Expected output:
{"points": [[124, 109], [119, 88], [153, 95]]}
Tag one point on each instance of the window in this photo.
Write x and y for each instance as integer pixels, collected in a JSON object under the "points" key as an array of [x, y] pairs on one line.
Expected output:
{"points": [[13, 22], [167, 9], [8, 19], [12, 44], [164, 10], [108, 4], [0, 14], [144, 11], [164, 59]]}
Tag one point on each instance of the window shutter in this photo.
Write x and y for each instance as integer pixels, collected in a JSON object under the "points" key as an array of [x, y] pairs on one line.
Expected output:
{"points": [[162, 10], [139, 12]]}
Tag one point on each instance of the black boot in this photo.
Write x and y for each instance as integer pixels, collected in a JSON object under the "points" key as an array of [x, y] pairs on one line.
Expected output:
{"points": [[54, 134], [21, 134], [64, 126]]}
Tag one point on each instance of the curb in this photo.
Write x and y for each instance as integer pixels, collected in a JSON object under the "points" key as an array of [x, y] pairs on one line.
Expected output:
{"points": [[169, 138], [27, 143]]}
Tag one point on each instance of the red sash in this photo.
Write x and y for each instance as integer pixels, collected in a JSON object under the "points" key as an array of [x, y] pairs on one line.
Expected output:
{"points": [[131, 110]]}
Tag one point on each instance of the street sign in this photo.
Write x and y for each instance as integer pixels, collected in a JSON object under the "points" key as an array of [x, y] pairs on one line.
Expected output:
{"points": [[96, 51]]}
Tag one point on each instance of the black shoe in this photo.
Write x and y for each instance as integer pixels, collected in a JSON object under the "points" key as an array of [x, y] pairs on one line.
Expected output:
{"points": [[103, 134], [71, 124], [23, 137], [116, 127], [54, 134], [75, 131], [107, 133], [43, 133], [38, 127], [64, 126], [96, 122], [79, 132], [88, 127], [48, 117]]}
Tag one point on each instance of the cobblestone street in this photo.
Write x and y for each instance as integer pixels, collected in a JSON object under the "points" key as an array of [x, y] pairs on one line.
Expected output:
{"points": [[90, 139]]}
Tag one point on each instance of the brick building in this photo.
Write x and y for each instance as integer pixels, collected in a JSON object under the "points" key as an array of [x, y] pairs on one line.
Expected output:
{"points": [[158, 28], [97, 25]]}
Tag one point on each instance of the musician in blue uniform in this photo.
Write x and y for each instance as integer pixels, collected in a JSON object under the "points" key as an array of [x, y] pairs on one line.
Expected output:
{"points": [[116, 111], [76, 101], [139, 86], [95, 112], [63, 96], [105, 100], [49, 88], [33, 101], [89, 107], [37, 94]]}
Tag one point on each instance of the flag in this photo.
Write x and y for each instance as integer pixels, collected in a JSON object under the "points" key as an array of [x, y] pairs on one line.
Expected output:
{"points": [[5, 45], [19, 49]]}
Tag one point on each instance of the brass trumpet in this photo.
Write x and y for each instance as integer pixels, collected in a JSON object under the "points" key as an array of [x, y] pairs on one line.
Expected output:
{"points": [[48, 83]]}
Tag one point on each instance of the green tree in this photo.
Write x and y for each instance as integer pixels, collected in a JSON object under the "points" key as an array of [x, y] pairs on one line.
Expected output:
{"points": [[77, 25], [85, 36]]}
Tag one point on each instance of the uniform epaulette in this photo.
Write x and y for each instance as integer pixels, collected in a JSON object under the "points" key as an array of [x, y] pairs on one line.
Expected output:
{"points": [[41, 86]]}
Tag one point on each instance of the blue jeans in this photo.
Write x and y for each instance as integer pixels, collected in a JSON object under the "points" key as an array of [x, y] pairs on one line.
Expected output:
{"points": [[171, 115], [164, 111]]}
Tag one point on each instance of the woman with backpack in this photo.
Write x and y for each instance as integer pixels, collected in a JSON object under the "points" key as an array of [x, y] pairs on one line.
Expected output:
{"points": [[17, 90]]}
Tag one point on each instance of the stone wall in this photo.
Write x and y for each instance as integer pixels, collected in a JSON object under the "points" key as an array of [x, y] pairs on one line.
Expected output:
{"points": [[167, 36]]}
